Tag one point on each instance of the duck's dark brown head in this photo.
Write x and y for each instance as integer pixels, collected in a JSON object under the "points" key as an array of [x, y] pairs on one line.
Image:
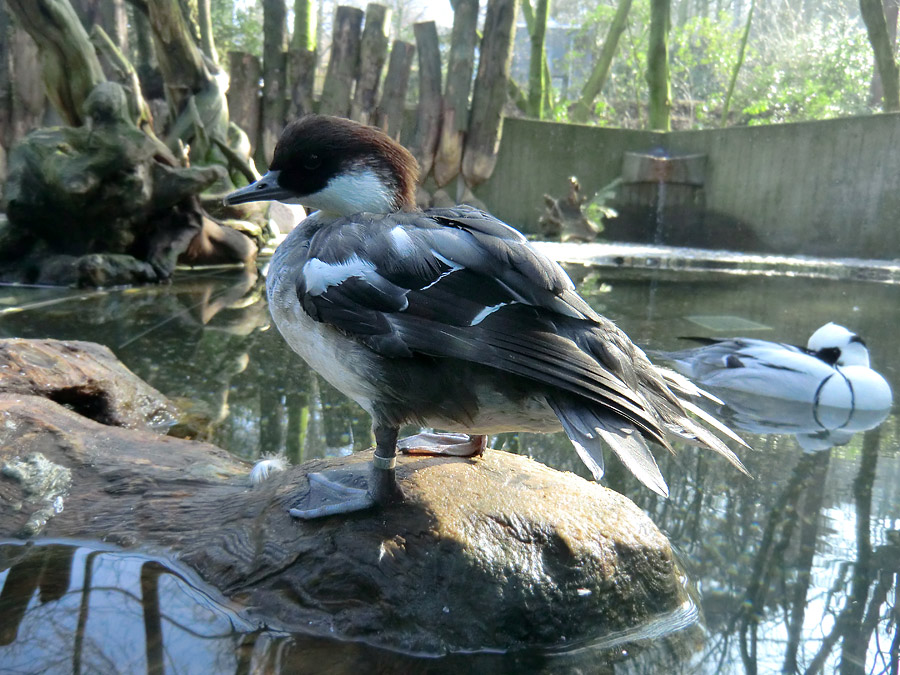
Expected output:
{"points": [[338, 166]]}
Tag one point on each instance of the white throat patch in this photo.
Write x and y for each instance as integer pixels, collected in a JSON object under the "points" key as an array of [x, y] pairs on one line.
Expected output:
{"points": [[357, 191]]}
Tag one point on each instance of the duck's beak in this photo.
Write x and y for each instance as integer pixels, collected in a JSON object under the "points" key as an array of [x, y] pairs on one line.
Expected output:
{"points": [[266, 188]]}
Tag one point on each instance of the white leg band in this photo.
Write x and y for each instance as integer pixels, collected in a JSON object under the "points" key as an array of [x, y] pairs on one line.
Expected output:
{"points": [[384, 462]]}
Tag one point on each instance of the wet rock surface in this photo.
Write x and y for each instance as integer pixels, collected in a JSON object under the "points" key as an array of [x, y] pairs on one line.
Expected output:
{"points": [[85, 377], [496, 552]]}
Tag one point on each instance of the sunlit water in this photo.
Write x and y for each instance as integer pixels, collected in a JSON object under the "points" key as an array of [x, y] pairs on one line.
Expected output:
{"points": [[795, 570]]}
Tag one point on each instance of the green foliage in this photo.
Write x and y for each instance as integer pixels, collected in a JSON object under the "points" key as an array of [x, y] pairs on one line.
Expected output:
{"points": [[237, 25], [794, 68], [598, 209], [704, 52], [828, 75]]}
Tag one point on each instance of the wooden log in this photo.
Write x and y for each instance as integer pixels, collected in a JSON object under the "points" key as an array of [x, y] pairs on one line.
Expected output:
{"points": [[389, 116], [372, 55], [69, 66], [302, 77], [428, 120], [455, 108], [124, 73], [243, 94], [486, 118], [343, 66], [180, 60], [274, 77]]}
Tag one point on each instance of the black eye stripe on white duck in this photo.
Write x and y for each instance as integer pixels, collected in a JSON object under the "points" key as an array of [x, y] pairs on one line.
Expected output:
{"points": [[450, 317]]}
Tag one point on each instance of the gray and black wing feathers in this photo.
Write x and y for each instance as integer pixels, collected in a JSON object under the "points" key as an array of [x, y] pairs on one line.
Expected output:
{"points": [[458, 283]]}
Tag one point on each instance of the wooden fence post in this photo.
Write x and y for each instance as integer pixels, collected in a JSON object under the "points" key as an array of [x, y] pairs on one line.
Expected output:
{"points": [[343, 66], [393, 94], [456, 92], [243, 94], [428, 122], [486, 119], [302, 78], [372, 55], [274, 77]]}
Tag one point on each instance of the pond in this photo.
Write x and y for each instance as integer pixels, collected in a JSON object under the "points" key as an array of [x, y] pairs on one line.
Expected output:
{"points": [[794, 570]]}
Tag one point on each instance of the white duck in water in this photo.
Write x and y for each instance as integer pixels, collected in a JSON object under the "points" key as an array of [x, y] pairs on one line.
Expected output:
{"points": [[832, 371], [447, 318]]}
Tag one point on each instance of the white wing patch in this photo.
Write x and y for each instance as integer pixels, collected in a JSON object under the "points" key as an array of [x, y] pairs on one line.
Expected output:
{"points": [[449, 263], [486, 312], [320, 276], [402, 242]]}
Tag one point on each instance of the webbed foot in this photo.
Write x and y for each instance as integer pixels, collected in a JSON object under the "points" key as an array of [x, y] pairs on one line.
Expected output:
{"points": [[333, 492], [341, 491], [454, 445]]}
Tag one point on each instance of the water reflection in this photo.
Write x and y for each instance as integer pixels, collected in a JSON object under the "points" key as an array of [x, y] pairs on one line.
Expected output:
{"points": [[84, 609], [796, 570]]}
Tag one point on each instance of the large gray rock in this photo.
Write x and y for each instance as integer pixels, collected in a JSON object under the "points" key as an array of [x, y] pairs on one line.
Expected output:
{"points": [[85, 377], [494, 552]]}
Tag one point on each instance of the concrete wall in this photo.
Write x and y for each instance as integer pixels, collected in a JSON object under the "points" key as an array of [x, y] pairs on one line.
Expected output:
{"points": [[828, 188]]}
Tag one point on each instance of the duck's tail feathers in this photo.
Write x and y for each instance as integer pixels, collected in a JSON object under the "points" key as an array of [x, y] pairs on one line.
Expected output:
{"points": [[682, 385], [589, 429], [690, 431]]}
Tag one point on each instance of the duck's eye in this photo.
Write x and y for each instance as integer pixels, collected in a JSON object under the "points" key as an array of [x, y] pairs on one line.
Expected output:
{"points": [[312, 162]]}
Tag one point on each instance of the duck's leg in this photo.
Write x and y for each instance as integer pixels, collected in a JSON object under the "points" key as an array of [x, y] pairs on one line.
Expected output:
{"points": [[383, 487], [455, 445], [354, 489]]}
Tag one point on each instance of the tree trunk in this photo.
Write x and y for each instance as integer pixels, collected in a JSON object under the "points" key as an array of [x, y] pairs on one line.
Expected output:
{"points": [[6, 86], [304, 38], [486, 119], [876, 26], [180, 61], [393, 94], [537, 83], [143, 40], [110, 15], [737, 65], [372, 55], [456, 92], [243, 94], [69, 66], [207, 42], [302, 58], [581, 111], [658, 65], [343, 66], [123, 72], [891, 12], [274, 77], [428, 123]]}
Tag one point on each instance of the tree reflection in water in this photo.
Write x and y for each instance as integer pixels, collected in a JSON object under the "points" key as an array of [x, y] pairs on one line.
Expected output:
{"points": [[83, 609]]}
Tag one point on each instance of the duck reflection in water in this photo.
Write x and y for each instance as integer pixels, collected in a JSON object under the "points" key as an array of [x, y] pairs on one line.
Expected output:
{"points": [[823, 393]]}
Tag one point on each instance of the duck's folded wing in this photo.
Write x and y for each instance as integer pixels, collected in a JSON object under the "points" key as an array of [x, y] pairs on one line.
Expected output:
{"points": [[471, 306]]}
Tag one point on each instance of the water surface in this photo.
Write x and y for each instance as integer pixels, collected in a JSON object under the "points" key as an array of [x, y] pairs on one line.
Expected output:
{"points": [[795, 570]]}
